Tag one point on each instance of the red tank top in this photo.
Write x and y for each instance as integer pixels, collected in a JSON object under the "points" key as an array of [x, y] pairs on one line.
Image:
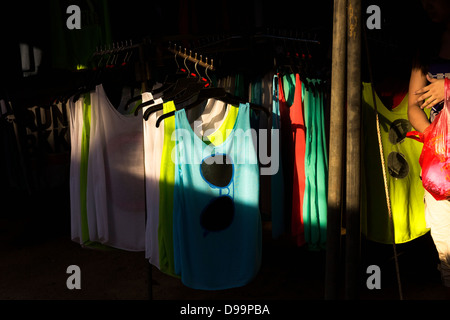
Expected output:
{"points": [[293, 119]]}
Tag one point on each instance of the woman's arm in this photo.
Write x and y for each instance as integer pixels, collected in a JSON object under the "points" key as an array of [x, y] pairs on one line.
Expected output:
{"points": [[416, 115]]}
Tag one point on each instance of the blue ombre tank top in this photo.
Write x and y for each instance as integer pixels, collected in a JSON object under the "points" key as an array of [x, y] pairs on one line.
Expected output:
{"points": [[216, 218]]}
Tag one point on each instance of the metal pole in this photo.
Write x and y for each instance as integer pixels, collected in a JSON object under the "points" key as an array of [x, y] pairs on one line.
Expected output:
{"points": [[353, 216], [336, 146]]}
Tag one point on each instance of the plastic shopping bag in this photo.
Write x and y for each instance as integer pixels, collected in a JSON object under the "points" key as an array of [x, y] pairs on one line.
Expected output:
{"points": [[434, 158]]}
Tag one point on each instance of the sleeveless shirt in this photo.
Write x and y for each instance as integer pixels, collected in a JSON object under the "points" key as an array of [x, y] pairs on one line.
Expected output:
{"points": [[216, 248], [403, 174]]}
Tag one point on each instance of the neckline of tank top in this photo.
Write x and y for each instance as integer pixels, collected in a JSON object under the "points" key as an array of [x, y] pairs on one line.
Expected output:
{"points": [[394, 108], [296, 93], [213, 102], [184, 118], [100, 91]]}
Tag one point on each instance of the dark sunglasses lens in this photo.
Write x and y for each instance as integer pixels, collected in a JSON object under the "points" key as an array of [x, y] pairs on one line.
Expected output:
{"points": [[217, 170], [218, 214], [398, 130], [397, 165]]}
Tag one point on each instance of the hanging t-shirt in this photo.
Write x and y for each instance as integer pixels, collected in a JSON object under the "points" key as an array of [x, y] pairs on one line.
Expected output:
{"points": [[277, 179], [116, 182], [217, 224], [80, 121], [166, 183], [260, 94], [153, 146], [287, 156], [268, 166], [316, 172], [167, 174], [76, 112], [403, 174], [293, 90], [321, 168]]}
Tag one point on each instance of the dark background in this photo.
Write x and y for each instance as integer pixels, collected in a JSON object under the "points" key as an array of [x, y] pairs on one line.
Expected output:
{"points": [[391, 47]]}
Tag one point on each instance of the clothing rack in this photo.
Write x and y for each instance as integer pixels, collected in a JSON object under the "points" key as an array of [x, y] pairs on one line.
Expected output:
{"points": [[289, 35], [114, 50], [116, 47], [193, 58]]}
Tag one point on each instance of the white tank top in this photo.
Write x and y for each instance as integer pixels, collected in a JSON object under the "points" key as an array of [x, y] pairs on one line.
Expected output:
{"points": [[115, 182], [76, 125], [153, 146]]}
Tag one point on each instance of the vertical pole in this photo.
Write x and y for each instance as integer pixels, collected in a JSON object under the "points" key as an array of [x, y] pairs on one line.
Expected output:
{"points": [[353, 217], [336, 147]]}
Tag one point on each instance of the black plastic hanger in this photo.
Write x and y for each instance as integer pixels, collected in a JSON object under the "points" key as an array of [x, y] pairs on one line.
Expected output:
{"points": [[188, 90], [181, 84], [168, 84], [191, 90], [171, 79], [211, 93], [95, 79], [171, 91]]}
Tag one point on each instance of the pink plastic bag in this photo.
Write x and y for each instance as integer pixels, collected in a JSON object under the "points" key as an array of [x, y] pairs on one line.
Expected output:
{"points": [[434, 158]]}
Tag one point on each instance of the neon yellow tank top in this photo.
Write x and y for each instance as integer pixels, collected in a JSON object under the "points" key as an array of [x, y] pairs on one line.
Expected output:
{"points": [[401, 156]]}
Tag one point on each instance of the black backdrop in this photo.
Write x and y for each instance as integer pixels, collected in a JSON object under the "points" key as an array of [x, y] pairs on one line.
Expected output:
{"points": [[29, 22]]}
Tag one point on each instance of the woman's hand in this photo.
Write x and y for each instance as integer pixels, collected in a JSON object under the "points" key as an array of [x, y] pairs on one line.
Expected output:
{"points": [[434, 93]]}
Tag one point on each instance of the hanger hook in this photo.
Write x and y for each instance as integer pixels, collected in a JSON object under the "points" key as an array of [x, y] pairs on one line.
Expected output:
{"points": [[195, 66], [206, 70], [188, 71], [176, 61]]}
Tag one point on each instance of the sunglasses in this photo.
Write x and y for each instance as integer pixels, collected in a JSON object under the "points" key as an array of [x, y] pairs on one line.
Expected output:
{"points": [[398, 166], [218, 171]]}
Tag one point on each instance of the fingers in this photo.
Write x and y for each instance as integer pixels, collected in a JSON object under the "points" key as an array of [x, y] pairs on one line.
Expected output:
{"points": [[426, 88], [429, 103], [427, 95], [431, 94], [423, 90]]}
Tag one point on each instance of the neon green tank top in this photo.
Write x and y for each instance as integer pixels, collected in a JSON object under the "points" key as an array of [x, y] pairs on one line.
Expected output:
{"points": [[401, 156]]}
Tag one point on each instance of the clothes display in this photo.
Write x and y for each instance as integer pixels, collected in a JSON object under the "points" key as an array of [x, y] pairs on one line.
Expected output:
{"points": [[304, 159], [134, 186], [217, 142]]}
